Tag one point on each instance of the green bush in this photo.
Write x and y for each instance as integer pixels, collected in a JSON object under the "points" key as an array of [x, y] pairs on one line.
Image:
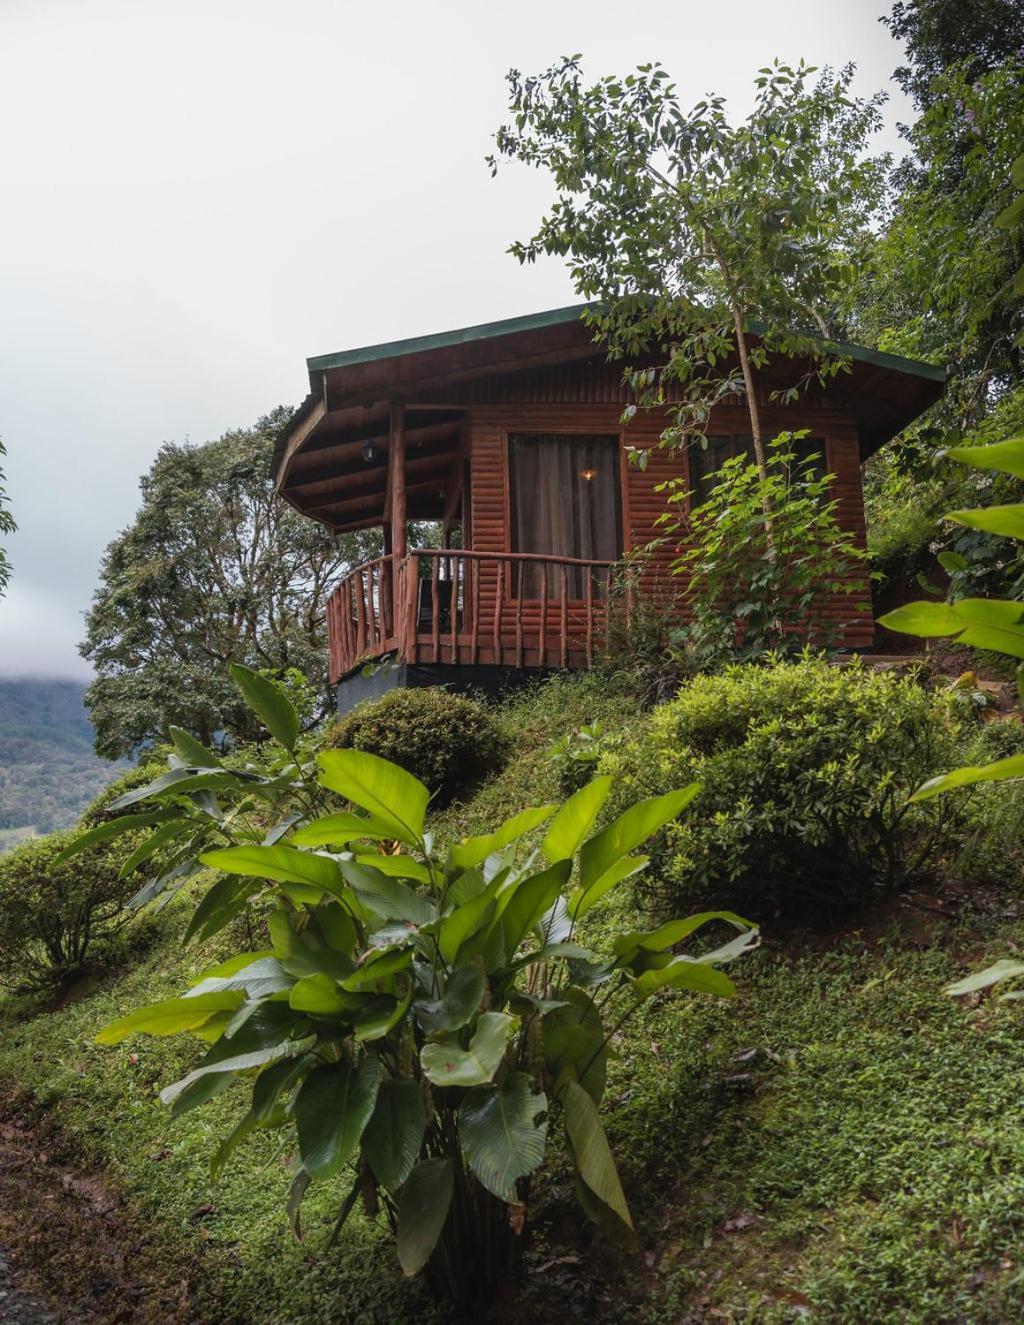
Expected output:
{"points": [[52, 917], [451, 743], [806, 770]]}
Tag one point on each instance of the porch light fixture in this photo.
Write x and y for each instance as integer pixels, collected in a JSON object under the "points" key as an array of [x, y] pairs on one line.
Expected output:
{"points": [[588, 474], [369, 450]]}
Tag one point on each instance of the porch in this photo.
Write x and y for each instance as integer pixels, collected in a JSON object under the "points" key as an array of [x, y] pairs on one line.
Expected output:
{"points": [[463, 608]]}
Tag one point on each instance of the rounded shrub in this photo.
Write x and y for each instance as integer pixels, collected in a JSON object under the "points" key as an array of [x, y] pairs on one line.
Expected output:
{"points": [[452, 744], [53, 916], [806, 771]]}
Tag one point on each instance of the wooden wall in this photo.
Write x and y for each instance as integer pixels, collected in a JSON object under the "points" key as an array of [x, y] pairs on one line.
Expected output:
{"points": [[597, 408]]}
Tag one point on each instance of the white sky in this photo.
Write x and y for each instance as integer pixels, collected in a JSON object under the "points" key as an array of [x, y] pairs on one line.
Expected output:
{"points": [[197, 194]]}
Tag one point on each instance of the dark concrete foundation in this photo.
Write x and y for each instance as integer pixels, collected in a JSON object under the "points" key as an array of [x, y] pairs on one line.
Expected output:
{"points": [[489, 681]]}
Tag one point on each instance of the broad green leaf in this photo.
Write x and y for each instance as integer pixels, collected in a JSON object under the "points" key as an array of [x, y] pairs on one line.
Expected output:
{"points": [[582, 899], [163, 783], [259, 977], [448, 1065], [952, 562], [396, 866], [377, 965], [422, 1210], [519, 906], [331, 1111], [1000, 771], [684, 973], [391, 795], [1006, 457], [385, 897], [474, 850], [171, 1016], [574, 1044], [224, 900], [500, 1134], [240, 1062], [181, 782], [1007, 521], [394, 1134], [674, 931], [380, 1015], [462, 996], [270, 704], [128, 823], [923, 618], [319, 995], [1004, 969], [193, 752], [591, 1153], [167, 832], [463, 923], [283, 864], [574, 820], [339, 829], [601, 854]]}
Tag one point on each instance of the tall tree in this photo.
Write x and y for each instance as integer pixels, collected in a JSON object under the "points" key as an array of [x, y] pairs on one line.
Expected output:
{"points": [[7, 526], [694, 232], [213, 569], [978, 35]]}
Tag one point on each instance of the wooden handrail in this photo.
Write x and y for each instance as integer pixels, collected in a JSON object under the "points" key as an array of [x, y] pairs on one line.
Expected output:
{"points": [[460, 606]]}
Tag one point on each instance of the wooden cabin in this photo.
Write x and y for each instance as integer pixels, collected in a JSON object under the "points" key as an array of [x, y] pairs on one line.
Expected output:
{"points": [[509, 438]]}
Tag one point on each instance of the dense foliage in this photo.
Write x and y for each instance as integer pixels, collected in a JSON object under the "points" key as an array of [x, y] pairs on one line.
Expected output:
{"points": [[423, 1011], [805, 772], [451, 743], [53, 915], [213, 568], [757, 587]]}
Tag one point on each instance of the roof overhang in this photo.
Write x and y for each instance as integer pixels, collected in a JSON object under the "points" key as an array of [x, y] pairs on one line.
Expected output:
{"points": [[319, 464]]}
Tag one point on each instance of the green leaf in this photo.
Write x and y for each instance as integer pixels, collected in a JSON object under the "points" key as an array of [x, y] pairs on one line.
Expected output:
{"points": [[1004, 969], [376, 965], [394, 1134], [462, 996], [340, 829], [673, 932], [331, 1111], [391, 795], [463, 923], [448, 1065], [992, 623], [592, 1155], [1006, 521], [127, 823], [158, 838], [224, 900], [192, 751], [240, 1062], [380, 1015], [600, 856], [574, 820], [1006, 457], [319, 995], [574, 1044], [474, 850], [923, 618], [952, 562], [520, 906], [500, 1134], [582, 899], [171, 1016], [270, 704], [684, 973], [385, 896], [423, 1204], [1000, 771], [282, 863]]}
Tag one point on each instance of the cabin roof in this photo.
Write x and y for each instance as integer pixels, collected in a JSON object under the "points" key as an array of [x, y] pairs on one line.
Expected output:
{"points": [[318, 463]]}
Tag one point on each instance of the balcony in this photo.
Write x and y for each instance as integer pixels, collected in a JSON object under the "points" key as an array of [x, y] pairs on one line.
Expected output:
{"points": [[470, 609]]}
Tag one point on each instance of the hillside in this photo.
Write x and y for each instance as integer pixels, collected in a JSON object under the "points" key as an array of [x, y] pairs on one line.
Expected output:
{"points": [[48, 770]]}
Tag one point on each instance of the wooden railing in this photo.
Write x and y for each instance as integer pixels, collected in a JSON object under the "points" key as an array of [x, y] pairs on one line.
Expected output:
{"points": [[453, 606]]}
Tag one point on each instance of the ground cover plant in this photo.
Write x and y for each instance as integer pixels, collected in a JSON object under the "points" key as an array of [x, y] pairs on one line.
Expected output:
{"points": [[421, 1011]]}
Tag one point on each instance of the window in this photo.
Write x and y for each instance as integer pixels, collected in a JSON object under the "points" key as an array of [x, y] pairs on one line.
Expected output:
{"points": [[704, 463], [566, 502]]}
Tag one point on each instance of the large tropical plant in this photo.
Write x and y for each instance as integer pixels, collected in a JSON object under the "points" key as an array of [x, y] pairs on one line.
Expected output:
{"points": [[421, 1014]]}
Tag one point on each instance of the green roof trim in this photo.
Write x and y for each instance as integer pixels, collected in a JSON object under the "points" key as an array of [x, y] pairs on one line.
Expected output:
{"points": [[554, 317]]}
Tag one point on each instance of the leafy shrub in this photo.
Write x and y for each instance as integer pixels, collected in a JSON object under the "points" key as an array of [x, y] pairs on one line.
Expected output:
{"points": [[424, 1013], [451, 743], [52, 915], [96, 810], [805, 773]]}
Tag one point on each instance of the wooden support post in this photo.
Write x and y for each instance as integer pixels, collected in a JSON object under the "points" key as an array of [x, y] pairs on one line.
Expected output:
{"points": [[396, 479]]}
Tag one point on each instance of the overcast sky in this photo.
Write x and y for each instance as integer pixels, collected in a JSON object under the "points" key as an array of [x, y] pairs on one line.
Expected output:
{"points": [[197, 194]]}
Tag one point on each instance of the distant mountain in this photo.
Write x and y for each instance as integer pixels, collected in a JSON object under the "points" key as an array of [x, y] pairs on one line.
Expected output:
{"points": [[48, 769]]}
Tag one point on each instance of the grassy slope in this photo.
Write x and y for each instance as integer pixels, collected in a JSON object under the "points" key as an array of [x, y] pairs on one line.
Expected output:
{"points": [[840, 1137]]}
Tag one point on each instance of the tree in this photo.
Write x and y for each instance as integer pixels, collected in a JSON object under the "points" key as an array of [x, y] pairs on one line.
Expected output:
{"points": [[214, 569], [7, 526], [979, 36], [693, 232]]}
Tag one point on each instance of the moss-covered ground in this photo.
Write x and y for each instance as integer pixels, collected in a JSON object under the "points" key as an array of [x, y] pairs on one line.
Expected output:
{"points": [[841, 1143]]}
